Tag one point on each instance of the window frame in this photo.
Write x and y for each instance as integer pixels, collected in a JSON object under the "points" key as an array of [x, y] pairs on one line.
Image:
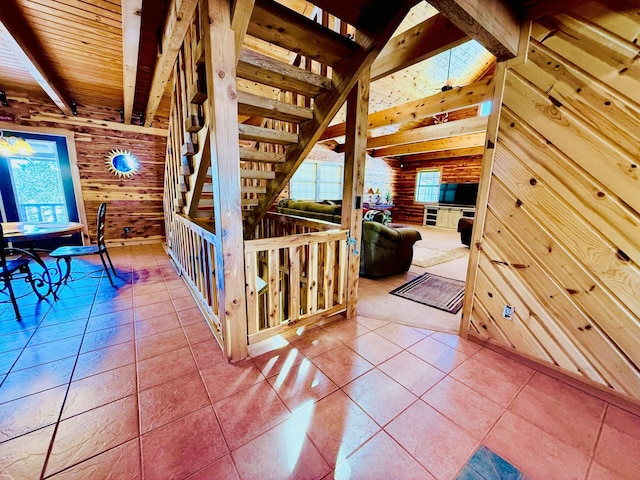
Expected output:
{"points": [[417, 185], [69, 139], [317, 181]]}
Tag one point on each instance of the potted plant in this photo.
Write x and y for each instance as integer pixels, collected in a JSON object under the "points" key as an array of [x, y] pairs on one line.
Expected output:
{"points": [[388, 197]]}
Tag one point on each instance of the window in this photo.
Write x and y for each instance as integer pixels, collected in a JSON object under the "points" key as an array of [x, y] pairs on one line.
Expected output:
{"points": [[428, 186], [38, 186], [485, 108], [317, 181]]}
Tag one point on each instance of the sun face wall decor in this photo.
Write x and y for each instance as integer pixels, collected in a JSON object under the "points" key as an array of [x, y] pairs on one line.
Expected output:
{"points": [[122, 163]]}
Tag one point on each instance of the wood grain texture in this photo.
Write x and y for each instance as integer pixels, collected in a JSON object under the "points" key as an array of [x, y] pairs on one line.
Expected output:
{"points": [[223, 136], [561, 239], [427, 39], [353, 185], [452, 171], [135, 202], [461, 97], [493, 23]]}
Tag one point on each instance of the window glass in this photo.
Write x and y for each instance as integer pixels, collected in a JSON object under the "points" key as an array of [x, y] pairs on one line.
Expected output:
{"points": [[317, 181], [428, 186], [485, 108], [37, 184], [303, 182], [329, 182]]}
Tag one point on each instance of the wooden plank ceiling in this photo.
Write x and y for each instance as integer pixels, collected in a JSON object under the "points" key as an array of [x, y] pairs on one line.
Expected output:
{"points": [[76, 49], [99, 53]]}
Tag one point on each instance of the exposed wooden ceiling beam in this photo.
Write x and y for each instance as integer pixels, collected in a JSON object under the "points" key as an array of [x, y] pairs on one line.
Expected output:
{"points": [[534, 9], [466, 96], [240, 16], [131, 22], [443, 155], [175, 28], [362, 15], [451, 143], [466, 126], [21, 39], [94, 123], [427, 39], [493, 23]]}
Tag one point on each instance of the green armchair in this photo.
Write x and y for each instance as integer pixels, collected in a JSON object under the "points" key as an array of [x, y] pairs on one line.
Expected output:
{"points": [[386, 251]]}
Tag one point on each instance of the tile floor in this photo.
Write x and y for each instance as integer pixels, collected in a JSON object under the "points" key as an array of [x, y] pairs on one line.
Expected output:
{"points": [[128, 383]]}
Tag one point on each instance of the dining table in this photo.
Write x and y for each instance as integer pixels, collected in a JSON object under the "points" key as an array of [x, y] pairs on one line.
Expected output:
{"points": [[28, 234], [35, 231]]}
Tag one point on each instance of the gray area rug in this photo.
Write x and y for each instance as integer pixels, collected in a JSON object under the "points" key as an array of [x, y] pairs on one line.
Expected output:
{"points": [[433, 290]]}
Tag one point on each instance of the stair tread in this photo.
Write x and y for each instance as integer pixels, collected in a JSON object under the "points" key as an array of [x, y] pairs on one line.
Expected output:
{"points": [[268, 135], [260, 68], [255, 105], [257, 174], [282, 26], [251, 155]]}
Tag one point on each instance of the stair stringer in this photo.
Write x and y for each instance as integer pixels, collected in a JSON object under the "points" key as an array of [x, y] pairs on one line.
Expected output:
{"points": [[345, 75]]}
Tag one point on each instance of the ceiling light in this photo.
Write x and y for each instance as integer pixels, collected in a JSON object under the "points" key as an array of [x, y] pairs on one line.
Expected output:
{"points": [[14, 146]]}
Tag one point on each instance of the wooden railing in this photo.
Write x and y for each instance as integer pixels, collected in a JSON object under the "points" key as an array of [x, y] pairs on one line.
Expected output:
{"points": [[280, 225], [294, 280], [192, 249]]}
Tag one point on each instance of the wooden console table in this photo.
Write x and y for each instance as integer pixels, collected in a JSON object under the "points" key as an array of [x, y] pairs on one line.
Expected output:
{"points": [[446, 216]]}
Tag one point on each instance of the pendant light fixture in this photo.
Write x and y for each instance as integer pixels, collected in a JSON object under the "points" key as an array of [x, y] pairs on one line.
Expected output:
{"points": [[447, 85]]}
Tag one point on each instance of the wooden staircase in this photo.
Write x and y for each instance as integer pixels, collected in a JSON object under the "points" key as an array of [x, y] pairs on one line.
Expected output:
{"points": [[293, 74]]}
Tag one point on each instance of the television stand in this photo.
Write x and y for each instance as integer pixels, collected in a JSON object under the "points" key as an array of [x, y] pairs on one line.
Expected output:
{"points": [[446, 216]]}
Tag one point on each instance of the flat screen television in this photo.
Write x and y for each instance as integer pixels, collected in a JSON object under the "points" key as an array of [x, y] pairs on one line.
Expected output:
{"points": [[462, 194]]}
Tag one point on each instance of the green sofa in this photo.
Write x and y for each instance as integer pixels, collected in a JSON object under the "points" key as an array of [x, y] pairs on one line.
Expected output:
{"points": [[385, 250], [328, 210]]}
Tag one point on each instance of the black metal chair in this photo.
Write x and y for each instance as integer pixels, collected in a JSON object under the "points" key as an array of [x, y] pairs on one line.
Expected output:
{"points": [[8, 268], [67, 252]]}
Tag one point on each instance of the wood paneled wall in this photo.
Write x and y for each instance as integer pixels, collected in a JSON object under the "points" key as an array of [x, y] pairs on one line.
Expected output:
{"points": [[135, 202], [561, 239], [380, 174], [454, 170]]}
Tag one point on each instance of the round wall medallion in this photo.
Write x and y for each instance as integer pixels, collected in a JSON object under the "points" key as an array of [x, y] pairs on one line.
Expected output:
{"points": [[122, 163]]}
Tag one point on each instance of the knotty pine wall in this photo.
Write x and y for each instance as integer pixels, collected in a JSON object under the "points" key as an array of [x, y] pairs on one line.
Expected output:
{"points": [[134, 202], [454, 170], [561, 238]]}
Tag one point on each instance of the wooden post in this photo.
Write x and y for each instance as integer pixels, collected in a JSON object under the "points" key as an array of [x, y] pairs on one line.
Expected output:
{"points": [[225, 172], [483, 195], [485, 178], [353, 187]]}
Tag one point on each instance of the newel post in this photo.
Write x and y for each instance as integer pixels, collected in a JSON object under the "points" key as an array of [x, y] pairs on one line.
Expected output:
{"points": [[353, 185], [225, 172]]}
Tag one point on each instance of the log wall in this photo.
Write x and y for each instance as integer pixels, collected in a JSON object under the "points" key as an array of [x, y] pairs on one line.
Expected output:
{"points": [[454, 170], [561, 240], [134, 202]]}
